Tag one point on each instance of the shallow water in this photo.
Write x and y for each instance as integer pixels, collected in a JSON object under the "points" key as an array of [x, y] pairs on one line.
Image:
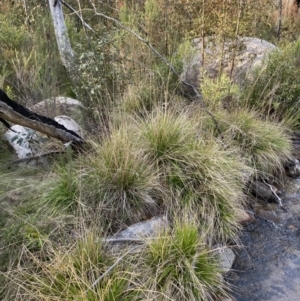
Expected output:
{"points": [[268, 266]]}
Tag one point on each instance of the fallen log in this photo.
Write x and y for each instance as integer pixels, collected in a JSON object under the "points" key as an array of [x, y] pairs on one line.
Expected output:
{"points": [[14, 112]]}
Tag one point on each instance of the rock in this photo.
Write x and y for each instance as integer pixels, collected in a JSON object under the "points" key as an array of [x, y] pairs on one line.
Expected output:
{"points": [[32, 148], [269, 215], [296, 145], [30, 144], [146, 229], [135, 235], [59, 106], [245, 218], [227, 258], [240, 58], [24, 141], [69, 124], [264, 191], [292, 168]]}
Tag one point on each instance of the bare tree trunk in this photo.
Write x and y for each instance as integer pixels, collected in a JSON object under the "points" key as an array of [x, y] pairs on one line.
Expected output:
{"points": [[279, 19], [62, 38]]}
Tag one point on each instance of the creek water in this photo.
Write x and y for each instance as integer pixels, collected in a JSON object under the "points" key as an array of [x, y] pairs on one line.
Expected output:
{"points": [[267, 267]]}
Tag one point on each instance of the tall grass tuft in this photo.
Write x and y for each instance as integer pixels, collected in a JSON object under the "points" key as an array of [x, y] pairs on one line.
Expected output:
{"points": [[197, 174], [264, 144], [181, 267], [167, 136], [64, 194], [120, 178], [70, 273]]}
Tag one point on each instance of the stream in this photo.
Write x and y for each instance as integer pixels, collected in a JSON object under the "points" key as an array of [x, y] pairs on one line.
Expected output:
{"points": [[268, 265]]}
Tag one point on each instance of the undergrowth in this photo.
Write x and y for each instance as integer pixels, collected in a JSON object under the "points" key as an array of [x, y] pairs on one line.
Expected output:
{"points": [[274, 89], [151, 152]]}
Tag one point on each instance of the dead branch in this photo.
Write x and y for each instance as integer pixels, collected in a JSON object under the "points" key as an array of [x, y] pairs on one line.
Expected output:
{"points": [[77, 15], [16, 113]]}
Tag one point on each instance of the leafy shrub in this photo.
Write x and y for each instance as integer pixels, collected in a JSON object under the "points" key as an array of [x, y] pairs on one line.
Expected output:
{"points": [[275, 90], [219, 93]]}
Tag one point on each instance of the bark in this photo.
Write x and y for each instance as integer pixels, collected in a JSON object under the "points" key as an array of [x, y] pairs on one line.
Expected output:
{"points": [[62, 38], [279, 21], [16, 113]]}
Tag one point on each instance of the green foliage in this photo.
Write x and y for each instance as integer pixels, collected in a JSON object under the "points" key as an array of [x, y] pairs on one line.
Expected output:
{"points": [[19, 224], [274, 90], [139, 99], [23, 231], [161, 156], [12, 36], [219, 92], [167, 136], [28, 59], [264, 144], [96, 70], [184, 268], [63, 195]]}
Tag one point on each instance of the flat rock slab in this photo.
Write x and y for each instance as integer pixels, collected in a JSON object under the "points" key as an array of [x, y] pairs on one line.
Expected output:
{"points": [[146, 229]]}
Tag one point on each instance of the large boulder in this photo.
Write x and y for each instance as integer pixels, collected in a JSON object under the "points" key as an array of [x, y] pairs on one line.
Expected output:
{"points": [[29, 144], [236, 58], [59, 106], [69, 124], [23, 140]]}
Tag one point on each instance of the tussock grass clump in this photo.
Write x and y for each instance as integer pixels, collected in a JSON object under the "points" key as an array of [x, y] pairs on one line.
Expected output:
{"points": [[197, 174], [120, 178], [140, 98], [219, 181], [181, 266], [167, 136], [71, 273], [264, 144], [64, 193]]}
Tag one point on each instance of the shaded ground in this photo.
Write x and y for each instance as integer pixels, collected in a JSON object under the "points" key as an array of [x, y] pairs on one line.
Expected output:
{"points": [[20, 189], [268, 267]]}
